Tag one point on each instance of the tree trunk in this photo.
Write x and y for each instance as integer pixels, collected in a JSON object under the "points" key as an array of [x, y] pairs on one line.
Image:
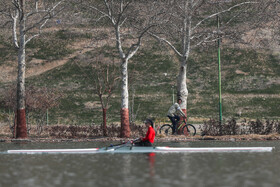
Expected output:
{"points": [[15, 125], [125, 129], [104, 122], [182, 91], [21, 129]]}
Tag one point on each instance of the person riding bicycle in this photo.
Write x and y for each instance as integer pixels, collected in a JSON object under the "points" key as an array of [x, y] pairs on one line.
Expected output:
{"points": [[150, 135], [174, 114]]}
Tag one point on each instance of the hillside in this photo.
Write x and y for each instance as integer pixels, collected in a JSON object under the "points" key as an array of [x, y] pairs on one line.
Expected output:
{"points": [[59, 59]]}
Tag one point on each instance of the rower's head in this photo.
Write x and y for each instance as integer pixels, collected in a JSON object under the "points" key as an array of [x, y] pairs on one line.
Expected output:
{"points": [[149, 122]]}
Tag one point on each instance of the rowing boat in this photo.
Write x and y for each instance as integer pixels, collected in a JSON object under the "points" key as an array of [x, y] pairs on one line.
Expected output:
{"points": [[135, 149]]}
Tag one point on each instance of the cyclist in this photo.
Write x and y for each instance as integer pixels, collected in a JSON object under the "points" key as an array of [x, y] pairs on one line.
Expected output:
{"points": [[174, 114], [150, 136]]}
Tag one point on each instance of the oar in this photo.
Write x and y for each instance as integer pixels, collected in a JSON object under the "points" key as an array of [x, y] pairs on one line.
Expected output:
{"points": [[132, 141], [124, 144], [117, 144]]}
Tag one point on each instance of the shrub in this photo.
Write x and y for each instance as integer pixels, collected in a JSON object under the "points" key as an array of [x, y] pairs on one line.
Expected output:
{"points": [[79, 131], [214, 128]]}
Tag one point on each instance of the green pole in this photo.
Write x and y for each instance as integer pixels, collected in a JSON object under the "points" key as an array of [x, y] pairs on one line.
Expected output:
{"points": [[220, 80]]}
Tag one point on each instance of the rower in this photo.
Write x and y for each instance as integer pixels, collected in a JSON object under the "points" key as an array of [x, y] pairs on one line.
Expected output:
{"points": [[150, 135]]}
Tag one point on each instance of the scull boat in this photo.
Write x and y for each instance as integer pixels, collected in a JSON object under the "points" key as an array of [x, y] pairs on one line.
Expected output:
{"points": [[135, 149]]}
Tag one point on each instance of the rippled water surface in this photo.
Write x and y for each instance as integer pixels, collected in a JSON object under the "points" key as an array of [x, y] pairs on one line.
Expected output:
{"points": [[161, 169]]}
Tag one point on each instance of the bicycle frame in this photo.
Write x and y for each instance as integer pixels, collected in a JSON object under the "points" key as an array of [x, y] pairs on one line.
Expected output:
{"points": [[181, 123]]}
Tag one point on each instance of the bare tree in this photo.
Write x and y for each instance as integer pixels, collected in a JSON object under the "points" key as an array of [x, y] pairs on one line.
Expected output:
{"points": [[130, 20], [37, 101], [188, 25], [27, 18], [102, 72], [105, 82]]}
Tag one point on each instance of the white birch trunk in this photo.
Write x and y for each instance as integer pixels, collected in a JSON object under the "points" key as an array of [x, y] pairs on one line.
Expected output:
{"points": [[124, 72], [124, 84], [182, 91], [21, 70], [125, 129]]}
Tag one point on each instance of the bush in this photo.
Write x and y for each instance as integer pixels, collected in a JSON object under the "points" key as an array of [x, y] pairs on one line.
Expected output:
{"points": [[256, 127], [214, 128], [78, 131]]}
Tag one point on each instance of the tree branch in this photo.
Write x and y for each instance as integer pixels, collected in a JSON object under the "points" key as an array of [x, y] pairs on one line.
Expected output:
{"points": [[134, 47], [221, 12], [167, 42], [103, 13], [110, 13], [122, 10], [15, 17], [39, 32], [42, 22]]}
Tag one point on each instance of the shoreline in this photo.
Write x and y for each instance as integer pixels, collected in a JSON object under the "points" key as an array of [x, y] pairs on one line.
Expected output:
{"points": [[178, 138]]}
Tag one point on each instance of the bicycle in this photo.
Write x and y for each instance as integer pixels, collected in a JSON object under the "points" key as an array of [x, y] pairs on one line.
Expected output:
{"points": [[187, 129]]}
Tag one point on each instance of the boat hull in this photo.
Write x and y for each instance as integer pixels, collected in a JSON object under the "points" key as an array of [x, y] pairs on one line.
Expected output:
{"points": [[134, 149]]}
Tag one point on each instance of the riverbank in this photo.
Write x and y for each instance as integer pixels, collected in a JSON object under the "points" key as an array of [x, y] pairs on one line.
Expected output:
{"points": [[178, 138], [65, 133]]}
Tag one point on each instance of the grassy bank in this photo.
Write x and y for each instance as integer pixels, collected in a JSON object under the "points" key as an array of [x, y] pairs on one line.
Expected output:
{"points": [[250, 81]]}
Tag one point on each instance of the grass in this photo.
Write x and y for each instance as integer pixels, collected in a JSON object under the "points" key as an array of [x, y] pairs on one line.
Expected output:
{"points": [[67, 35], [152, 73], [52, 49], [7, 51], [55, 45]]}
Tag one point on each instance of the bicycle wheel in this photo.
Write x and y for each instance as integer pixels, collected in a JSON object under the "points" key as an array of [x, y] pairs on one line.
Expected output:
{"points": [[166, 129], [189, 130]]}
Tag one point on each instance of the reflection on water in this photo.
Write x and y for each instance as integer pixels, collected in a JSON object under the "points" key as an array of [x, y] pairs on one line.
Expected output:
{"points": [[152, 163], [161, 169]]}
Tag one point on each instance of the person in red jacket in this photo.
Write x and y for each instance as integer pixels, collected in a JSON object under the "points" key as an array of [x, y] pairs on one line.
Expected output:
{"points": [[150, 135]]}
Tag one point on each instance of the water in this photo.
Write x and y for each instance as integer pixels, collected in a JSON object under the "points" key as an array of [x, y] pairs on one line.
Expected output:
{"points": [[161, 169]]}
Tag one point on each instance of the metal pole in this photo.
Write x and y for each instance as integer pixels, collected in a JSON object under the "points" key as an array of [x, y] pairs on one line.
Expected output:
{"points": [[220, 80]]}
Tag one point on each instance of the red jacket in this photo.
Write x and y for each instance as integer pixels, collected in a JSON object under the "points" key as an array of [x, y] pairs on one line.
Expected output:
{"points": [[150, 136]]}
